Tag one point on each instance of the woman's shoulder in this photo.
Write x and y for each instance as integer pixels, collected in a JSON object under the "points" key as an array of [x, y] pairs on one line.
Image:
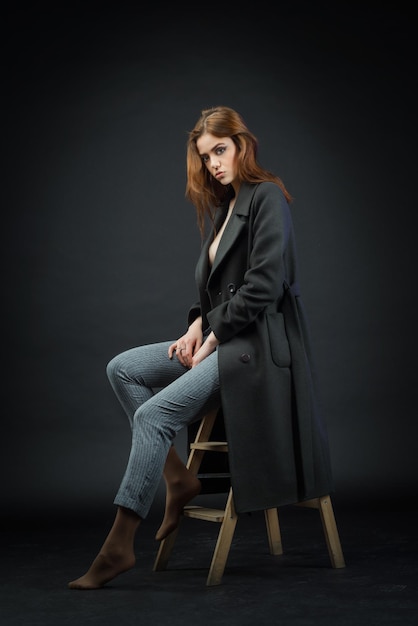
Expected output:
{"points": [[270, 202], [269, 191]]}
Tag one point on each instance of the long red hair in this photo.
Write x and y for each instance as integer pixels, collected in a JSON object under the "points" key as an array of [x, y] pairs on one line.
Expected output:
{"points": [[202, 189]]}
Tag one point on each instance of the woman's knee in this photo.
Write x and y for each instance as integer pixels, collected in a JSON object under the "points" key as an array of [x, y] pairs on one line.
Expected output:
{"points": [[144, 416], [151, 417], [116, 367]]}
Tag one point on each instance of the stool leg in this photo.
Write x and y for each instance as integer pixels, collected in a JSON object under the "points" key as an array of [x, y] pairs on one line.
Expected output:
{"points": [[164, 551], [331, 533], [223, 543], [273, 531]]}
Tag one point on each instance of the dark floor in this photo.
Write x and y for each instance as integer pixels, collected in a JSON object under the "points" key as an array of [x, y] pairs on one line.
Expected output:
{"points": [[378, 586]]}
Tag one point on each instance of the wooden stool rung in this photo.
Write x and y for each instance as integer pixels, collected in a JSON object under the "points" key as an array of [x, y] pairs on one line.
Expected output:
{"points": [[204, 513], [210, 446]]}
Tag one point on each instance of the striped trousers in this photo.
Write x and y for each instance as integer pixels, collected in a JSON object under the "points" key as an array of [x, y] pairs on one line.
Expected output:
{"points": [[160, 397]]}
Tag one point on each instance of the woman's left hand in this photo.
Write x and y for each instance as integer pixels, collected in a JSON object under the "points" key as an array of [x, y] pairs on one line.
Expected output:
{"points": [[206, 348]]}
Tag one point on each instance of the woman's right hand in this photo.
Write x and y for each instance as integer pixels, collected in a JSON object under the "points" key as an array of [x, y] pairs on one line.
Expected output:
{"points": [[187, 345]]}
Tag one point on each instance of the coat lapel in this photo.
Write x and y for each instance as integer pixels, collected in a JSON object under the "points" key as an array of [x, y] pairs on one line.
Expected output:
{"points": [[232, 231]]}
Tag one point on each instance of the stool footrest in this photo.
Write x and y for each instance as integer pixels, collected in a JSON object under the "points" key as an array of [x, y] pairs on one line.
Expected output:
{"points": [[204, 513], [210, 446]]}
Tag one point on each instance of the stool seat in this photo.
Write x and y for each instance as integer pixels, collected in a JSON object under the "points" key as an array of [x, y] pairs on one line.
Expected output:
{"points": [[227, 517]]}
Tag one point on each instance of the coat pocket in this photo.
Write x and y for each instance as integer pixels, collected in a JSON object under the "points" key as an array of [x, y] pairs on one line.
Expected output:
{"points": [[279, 344]]}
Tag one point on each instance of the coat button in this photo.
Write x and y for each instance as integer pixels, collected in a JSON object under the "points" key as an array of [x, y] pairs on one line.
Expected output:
{"points": [[231, 288], [245, 357]]}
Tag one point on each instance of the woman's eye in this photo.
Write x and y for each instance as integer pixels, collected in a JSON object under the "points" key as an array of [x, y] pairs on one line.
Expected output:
{"points": [[220, 150], [205, 159]]}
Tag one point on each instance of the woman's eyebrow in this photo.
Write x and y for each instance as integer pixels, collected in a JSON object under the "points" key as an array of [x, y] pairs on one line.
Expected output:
{"points": [[220, 143]]}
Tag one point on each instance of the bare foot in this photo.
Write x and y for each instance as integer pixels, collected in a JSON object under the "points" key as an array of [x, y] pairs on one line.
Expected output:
{"points": [[178, 495], [104, 568]]}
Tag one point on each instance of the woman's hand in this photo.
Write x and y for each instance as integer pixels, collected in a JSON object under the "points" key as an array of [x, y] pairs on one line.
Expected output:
{"points": [[207, 348], [189, 344]]}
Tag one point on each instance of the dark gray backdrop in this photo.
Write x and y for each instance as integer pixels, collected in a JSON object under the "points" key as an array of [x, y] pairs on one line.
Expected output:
{"points": [[99, 243]]}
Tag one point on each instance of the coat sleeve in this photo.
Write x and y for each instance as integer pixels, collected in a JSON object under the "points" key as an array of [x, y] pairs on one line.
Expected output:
{"points": [[262, 283], [194, 312]]}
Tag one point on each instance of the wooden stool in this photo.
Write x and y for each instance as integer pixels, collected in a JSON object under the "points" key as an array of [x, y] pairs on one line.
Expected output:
{"points": [[228, 518]]}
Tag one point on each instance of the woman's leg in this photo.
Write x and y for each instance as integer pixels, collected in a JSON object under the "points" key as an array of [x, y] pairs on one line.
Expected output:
{"points": [[134, 374], [155, 423], [181, 487]]}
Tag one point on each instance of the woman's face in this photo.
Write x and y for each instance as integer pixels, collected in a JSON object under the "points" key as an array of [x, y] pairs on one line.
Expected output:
{"points": [[219, 155]]}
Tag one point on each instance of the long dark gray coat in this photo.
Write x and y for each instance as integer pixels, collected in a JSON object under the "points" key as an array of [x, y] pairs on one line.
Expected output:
{"points": [[278, 449]]}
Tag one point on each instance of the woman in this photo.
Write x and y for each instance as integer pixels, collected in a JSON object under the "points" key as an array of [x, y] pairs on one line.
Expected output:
{"points": [[245, 351]]}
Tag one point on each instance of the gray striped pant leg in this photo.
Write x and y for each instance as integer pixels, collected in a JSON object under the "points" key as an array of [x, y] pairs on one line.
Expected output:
{"points": [[136, 373], [155, 424]]}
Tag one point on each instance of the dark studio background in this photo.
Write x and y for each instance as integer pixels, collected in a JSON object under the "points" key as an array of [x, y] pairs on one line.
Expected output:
{"points": [[99, 243]]}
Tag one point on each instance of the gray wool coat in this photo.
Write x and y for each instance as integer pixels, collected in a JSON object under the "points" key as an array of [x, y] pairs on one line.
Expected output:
{"points": [[278, 447]]}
